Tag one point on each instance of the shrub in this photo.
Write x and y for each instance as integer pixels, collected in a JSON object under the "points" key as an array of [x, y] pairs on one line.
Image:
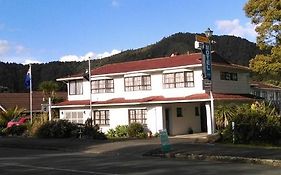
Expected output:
{"points": [[121, 131], [93, 132], [15, 130], [256, 123], [37, 122], [135, 130], [57, 129], [111, 133], [6, 116], [190, 130]]}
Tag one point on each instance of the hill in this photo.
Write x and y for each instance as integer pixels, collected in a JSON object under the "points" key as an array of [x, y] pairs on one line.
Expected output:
{"points": [[233, 49]]}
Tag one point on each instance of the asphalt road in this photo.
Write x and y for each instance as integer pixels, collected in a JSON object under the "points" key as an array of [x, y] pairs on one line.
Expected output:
{"points": [[47, 162]]}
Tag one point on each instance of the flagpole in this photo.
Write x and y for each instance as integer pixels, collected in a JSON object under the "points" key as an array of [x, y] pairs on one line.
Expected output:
{"points": [[30, 94], [91, 113]]}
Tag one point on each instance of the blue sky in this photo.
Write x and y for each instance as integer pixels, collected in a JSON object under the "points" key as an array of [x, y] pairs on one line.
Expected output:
{"points": [[52, 30]]}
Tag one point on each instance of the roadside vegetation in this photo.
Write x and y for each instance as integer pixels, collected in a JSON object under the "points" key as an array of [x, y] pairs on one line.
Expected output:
{"points": [[133, 130], [257, 123], [42, 128]]}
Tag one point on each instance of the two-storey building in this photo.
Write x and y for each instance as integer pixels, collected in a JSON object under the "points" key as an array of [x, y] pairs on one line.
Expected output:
{"points": [[162, 93]]}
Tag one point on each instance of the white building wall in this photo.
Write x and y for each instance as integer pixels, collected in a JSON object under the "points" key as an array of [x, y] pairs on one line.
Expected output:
{"points": [[120, 116], [86, 113], [84, 96], [155, 119], [157, 88]]}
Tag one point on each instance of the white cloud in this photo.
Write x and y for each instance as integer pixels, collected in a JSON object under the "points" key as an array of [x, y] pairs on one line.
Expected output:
{"points": [[233, 27], [4, 47], [67, 58], [107, 54], [30, 61]]}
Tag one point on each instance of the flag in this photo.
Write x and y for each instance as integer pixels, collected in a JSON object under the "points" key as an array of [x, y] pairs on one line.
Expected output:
{"points": [[86, 75], [27, 79]]}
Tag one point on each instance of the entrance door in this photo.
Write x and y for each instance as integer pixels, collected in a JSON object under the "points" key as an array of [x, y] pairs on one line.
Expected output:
{"points": [[167, 120], [203, 118]]}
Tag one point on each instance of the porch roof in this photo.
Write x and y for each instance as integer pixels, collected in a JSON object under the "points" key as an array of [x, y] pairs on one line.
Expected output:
{"points": [[160, 99]]}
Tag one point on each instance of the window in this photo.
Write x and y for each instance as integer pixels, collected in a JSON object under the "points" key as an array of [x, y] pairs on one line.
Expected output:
{"points": [[197, 113], [278, 95], [264, 94], [101, 117], [256, 93], [137, 116], [229, 76], [76, 87], [179, 112], [74, 117], [138, 83], [271, 95], [178, 79], [103, 86]]}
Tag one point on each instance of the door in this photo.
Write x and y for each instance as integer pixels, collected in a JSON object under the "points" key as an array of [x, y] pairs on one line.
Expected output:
{"points": [[203, 118], [167, 120]]}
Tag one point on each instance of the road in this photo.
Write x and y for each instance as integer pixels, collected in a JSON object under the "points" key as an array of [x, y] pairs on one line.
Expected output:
{"points": [[48, 162]]}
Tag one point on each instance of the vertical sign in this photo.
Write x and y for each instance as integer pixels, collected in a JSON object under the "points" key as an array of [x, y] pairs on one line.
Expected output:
{"points": [[165, 145], [207, 61]]}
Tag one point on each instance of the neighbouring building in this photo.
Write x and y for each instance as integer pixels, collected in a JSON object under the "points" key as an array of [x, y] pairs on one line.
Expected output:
{"points": [[269, 92], [161, 93], [21, 100]]}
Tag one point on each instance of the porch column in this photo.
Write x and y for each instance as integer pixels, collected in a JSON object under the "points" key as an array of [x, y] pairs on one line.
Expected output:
{"points": [[210, 121]]}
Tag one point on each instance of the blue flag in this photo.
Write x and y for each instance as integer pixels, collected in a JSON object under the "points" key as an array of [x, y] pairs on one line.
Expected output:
{"points": [[27, 78]]}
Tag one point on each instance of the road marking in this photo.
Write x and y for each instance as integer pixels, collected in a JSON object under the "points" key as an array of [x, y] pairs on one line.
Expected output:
{"points": [[54, 169]]}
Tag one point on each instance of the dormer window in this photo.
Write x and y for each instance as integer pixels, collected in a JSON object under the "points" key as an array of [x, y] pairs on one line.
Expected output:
{"points": [[103, 86], [178, 79], [76, 87], [138, 83]]}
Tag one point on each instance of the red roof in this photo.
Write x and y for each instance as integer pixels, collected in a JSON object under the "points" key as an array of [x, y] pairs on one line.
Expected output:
{"points": [[156, 63], [160, 99], [159, 63], [261, 85]]}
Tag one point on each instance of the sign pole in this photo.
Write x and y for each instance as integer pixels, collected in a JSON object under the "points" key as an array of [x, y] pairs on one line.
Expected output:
{"points": [[204, 44]]}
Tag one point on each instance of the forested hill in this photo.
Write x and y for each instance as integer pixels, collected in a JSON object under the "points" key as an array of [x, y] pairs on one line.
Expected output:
{"points": [[233, 49]]}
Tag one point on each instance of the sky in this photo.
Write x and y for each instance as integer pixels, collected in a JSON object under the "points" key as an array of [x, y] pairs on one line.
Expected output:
{"points": [[41, 31]]}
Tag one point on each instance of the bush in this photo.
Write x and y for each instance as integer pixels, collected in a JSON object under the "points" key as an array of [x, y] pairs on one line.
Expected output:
{"points": [[121, 131], [57, 129], [93, 132], [111, 133], [15, 130], [37, 122], [136, 130], [256, 123]]}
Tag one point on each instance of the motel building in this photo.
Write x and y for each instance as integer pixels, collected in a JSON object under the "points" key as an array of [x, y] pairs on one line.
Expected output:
{"points": [[161, 93]]}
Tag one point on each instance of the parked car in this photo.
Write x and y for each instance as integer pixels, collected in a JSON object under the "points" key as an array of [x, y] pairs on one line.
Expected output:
{"points": [[18, 121]]}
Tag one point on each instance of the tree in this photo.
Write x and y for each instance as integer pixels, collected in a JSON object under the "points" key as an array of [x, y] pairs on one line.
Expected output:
{"points": [[49, 89], [266, 15]]}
